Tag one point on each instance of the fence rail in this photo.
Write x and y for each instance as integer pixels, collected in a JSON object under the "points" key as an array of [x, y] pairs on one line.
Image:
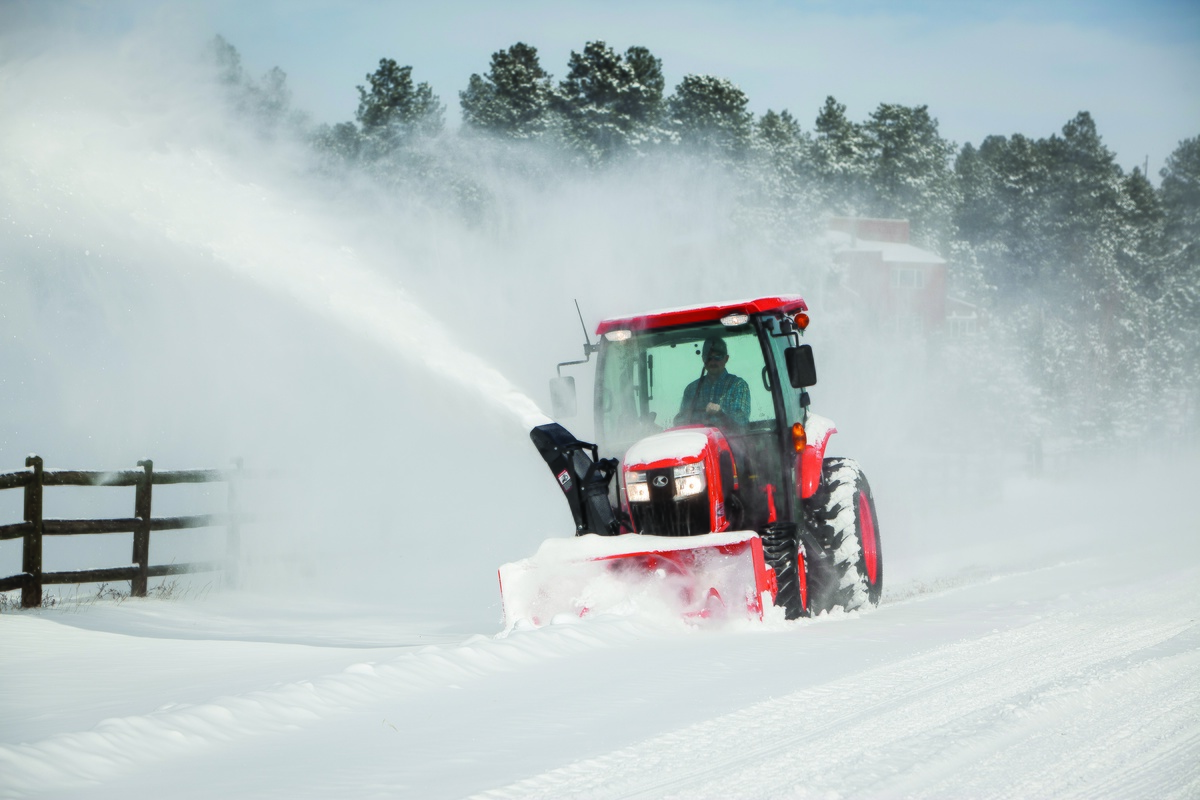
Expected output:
{"points": [[34, 528]]}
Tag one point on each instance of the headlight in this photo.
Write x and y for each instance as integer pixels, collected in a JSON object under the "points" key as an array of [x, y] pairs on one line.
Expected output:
{"points": [[636, 487], [689, 480]]}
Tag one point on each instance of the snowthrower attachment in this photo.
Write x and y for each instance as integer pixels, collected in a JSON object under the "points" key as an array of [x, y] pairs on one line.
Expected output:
{"points": [[714, 576], [701, 575], [584, 479]]}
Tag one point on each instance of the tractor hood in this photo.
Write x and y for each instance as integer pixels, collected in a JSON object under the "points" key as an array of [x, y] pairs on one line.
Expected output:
{"points": [[682, 446]]}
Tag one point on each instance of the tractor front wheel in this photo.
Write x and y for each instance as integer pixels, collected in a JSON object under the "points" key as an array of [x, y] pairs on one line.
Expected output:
{"points": [[841, 518], [781, 550]]}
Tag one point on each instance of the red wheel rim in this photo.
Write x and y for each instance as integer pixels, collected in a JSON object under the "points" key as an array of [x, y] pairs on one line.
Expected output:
{"points": [[866, 526], [802, 579]]}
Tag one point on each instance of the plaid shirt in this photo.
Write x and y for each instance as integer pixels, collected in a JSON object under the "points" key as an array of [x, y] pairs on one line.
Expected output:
{"points": [[729, 391]]}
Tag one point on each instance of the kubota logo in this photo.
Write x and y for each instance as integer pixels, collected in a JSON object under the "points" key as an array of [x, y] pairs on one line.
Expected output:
{"points": [[660, 481]]}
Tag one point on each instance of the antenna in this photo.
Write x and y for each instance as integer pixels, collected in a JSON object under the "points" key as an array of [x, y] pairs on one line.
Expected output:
{"points": [[588, 347], [583, 325]]}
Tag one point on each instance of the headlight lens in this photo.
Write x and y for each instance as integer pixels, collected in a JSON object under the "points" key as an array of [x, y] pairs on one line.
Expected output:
{"points": [[636, 487], [689, 480]]}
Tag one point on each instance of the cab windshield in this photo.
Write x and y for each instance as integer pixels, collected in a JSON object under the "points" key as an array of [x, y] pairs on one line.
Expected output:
{"points": [[644, 379]]}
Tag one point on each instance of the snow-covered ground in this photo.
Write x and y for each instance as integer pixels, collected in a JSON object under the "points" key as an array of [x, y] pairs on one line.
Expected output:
{"points": [[1042, 644]]}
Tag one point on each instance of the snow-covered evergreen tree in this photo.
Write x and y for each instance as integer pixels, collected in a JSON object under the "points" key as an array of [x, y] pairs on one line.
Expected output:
{"points": [[267, 102], [709, 114], [1180, 299], [611, 104], [840, 159], [1181, 205], [394, 111], [911, 174], [1083, 213], [513, 99], [1002, 206], [782, 166]]}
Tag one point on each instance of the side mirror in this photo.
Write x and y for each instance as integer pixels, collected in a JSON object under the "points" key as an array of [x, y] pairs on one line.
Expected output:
{"points": [[562, 397], [802, 370]]}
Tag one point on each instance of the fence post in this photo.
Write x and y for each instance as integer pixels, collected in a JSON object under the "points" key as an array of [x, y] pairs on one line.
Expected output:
{"points": [[141, 536], [31, 557], [233, 537]]}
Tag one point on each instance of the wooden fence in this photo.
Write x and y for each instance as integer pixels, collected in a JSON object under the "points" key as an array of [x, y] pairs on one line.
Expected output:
{"points": [[31, 578]]}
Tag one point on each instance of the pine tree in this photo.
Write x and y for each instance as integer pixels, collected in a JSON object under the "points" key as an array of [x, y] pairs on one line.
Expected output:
{"points": [[709, 113], [1180, 303], [841, 160], [646, 106], [780, 195], [611, 103], [394, 110], [228, 61], [1083, 209], [1002, 208], [778, 131], [1180, 192], [342, 142], [783, 150], [782, 169], [1142, 252], [266, 103], [513, 99], [911, 175], [979, 206]]}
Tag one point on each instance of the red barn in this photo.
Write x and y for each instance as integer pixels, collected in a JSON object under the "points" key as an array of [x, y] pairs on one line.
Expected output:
{"points": [[903, 286]]}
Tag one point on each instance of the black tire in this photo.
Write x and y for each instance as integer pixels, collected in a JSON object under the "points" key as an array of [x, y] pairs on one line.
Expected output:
{"points": [[847, 570], [781, 550]]}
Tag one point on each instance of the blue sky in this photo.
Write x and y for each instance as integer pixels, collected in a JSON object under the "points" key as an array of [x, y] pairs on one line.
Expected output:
{"points": [[982, 68]]}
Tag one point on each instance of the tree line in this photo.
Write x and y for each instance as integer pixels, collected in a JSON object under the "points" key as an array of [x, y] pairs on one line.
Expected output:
{"points": [[1098, 269]]}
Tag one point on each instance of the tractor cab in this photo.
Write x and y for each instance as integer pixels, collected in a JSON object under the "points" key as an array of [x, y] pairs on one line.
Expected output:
{"points": [[686, 467]]}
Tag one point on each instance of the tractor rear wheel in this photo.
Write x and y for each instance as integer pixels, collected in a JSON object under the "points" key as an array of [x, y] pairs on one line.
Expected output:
{"points": [[841, 519]]}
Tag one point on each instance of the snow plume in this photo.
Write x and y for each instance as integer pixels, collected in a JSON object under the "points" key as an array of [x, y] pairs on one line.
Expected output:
{"points": [[175, 287], [180, 284]]}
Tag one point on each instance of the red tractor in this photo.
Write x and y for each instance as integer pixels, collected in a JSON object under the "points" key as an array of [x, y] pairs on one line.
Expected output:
{"points": [[722, 487]]}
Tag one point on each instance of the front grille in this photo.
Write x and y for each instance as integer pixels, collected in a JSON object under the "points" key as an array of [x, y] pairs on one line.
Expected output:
{"points": [[663, 516]]}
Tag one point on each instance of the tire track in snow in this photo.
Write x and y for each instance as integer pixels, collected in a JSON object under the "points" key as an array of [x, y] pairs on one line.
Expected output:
{"points": [[1130, 718], [972, 703], [920, 591]]}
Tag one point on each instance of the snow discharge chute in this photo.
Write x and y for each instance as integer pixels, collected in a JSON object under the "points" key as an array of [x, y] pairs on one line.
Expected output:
{"points": [[583, 479]]}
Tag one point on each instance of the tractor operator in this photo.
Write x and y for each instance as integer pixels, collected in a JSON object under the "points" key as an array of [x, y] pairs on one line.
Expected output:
{"points": [[717, 394]]}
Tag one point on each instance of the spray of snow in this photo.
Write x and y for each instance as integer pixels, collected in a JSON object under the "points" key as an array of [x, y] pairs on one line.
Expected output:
{"points": [[706, 579], [142, 165]]}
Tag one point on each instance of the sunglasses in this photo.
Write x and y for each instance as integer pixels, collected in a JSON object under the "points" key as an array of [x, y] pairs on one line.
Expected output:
{"points": [[712, 356]]}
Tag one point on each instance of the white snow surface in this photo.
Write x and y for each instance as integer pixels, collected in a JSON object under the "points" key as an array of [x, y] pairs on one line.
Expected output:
{"points": [[1042, 644]]}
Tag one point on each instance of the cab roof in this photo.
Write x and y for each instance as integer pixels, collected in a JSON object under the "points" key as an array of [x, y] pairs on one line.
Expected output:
{"points": [[691, 315]]}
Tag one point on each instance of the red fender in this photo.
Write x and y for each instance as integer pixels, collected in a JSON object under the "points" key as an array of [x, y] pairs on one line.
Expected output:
{"points": [[809, 460]]}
